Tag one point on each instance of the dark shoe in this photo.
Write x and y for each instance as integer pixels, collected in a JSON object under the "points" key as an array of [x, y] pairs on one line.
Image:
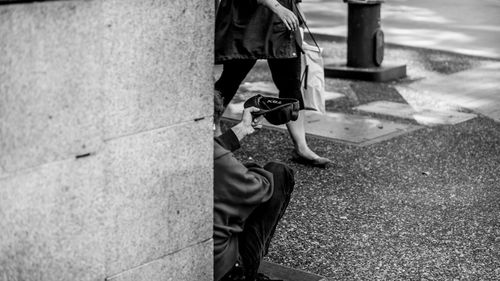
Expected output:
{"points": [[319, 162], [263, 277]]}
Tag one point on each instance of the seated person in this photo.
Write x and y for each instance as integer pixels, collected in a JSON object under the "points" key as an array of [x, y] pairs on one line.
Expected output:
{"points": [[249, 201]]}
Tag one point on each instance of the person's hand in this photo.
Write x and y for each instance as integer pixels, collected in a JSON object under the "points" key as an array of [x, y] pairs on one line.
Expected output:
{"points": [[248, 120], [248, 124], [288, 17]]}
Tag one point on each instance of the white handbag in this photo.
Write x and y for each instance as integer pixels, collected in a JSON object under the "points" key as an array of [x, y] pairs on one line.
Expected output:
{"points": [[313, 76]]}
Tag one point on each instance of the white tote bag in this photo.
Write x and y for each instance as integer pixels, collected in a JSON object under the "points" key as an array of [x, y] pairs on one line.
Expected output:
{"points": [[313, 78]]}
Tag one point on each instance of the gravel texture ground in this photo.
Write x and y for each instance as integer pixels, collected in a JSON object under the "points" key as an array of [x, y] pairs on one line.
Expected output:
{"points": [[422, 206]]}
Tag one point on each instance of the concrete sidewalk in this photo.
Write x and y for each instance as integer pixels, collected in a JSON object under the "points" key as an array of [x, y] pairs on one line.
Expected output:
{"points": [[438, 26], [477, 89], [459, 26]]}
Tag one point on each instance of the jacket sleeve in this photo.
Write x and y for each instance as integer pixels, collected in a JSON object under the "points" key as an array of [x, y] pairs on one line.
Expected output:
{"points": [[228, 140], [238, 185]]}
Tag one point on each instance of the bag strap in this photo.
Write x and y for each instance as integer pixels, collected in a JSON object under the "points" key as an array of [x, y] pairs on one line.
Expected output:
{"points": [[305, 76], [299, 12]]}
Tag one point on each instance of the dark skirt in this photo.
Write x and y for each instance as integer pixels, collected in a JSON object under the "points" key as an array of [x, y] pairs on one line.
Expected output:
{"points": [[248, 30]]}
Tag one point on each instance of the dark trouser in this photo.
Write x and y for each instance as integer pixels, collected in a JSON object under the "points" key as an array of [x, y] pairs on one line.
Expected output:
{"points": [[260, 226], [285, 72]]}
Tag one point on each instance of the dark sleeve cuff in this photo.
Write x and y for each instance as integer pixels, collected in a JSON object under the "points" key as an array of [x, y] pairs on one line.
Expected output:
{"points": [[228, 140]]}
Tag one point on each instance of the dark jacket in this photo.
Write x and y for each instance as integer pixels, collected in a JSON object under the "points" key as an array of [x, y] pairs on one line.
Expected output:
{"points": [[245, 29], [238, 190]]}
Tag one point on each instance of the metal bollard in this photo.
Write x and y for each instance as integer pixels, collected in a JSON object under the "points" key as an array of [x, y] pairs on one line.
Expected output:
{"points": [[365, 46], [365, 39]]}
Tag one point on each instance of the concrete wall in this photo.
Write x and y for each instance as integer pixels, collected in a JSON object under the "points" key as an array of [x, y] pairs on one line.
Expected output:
{"points": [[106, 140]]}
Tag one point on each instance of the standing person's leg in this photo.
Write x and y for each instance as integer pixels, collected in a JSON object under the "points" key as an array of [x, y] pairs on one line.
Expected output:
{"points": [[260, 226], [286, 75], [233, 73]]}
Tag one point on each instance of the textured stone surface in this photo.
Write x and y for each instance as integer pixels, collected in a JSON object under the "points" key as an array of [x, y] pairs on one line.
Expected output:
{"points": [[157, 57], [190, 264], [127, 85], [52, 221], [50, 81], [142, 197], [68, 82], [160, 194]]}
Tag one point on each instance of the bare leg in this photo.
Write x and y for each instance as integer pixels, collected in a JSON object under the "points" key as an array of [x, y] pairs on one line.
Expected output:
{"points": [[286, 75], [298, 134]]}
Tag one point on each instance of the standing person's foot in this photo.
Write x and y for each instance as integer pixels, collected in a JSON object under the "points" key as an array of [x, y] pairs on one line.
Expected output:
{"points": [[312, 160]]}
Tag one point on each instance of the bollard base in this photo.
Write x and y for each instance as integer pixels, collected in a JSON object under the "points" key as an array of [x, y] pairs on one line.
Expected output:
{"points": [[378, 74]]}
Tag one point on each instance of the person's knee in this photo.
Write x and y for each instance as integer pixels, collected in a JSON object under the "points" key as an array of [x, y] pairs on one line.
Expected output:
{"points": [[282, 173], [279, 168]]}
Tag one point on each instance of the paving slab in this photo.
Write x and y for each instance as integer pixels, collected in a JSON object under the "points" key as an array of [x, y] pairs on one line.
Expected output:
{"points": [[268, 88], [477, 89], [280, 272], [429, 117], [345, 128], [354, 129]]}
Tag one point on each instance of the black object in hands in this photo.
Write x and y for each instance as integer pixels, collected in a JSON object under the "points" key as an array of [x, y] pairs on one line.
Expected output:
{"points": [[277, 111]]}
